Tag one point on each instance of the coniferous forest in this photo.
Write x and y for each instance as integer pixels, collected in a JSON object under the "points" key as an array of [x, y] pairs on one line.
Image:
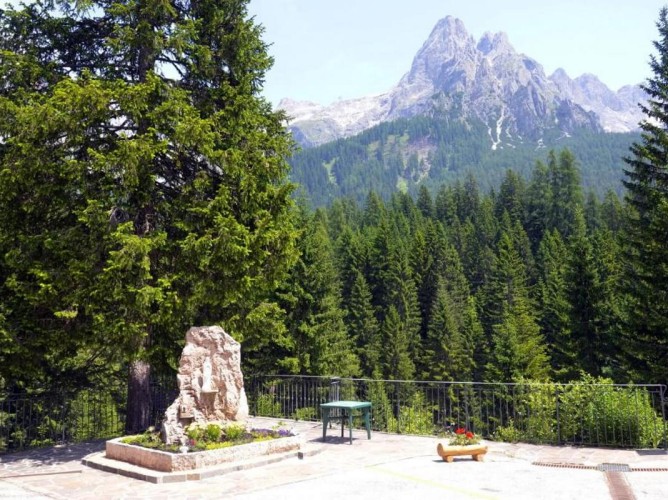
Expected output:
{"points": [[136, 203], [523, 283]]}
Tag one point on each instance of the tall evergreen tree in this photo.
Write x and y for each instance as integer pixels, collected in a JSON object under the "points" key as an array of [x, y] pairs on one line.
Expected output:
{"points": [[448, 353], [427, 262], [402, 295], [511, 196], [396, 360], [554, 318], [424, 202], [592, 212], [518, 348], [445, 205], [311, 297], [351, 258], [135, 201], [566, 190], [612, 212], [645, 249], [363, 327], [585, 295], [538, 203]]}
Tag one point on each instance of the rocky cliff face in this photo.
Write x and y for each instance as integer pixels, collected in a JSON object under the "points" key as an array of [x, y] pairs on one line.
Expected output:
{"points": [[487, 80], [617, 111]]}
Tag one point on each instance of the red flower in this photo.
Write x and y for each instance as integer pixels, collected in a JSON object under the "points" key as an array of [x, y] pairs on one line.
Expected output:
{"points": [[469, 435], [460, 431]]}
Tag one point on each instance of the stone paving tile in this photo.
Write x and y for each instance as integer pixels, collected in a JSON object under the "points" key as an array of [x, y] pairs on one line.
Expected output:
{"points": [[406, 460]]}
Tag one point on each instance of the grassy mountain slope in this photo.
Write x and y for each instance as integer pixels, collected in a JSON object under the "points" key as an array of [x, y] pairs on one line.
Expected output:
{"points": [[405, 153]]}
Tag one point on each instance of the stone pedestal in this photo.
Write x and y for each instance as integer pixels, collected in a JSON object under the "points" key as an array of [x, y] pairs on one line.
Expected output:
{"points": [[211, 385]]}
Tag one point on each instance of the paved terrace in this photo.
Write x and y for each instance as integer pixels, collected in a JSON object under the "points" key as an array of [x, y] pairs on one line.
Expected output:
{"points": [[388, 466]]}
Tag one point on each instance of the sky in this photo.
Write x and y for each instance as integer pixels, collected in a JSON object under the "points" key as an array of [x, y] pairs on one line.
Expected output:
{"points": [[326, 50]]}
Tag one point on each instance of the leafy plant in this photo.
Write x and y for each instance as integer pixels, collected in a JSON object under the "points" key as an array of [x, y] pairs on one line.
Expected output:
{"points": [[307, 413], [462, 437], [267, 406], [416, 418], [234, 432], [213, 432], [596, 410], [210, 436], [508, 433]]}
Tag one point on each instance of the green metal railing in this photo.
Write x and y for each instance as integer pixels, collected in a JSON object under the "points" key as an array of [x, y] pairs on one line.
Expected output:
{"points": [[43, 418], [632, 416]]}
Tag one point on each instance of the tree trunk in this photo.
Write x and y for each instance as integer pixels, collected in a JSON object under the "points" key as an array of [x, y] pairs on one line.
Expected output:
{"points": [[139, 398]]}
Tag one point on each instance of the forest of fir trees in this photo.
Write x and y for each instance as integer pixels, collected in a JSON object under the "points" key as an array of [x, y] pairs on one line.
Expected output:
{"points": [[458, 285]]}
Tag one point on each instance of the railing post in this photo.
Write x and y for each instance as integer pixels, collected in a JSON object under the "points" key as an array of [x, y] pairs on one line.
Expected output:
{"points": [[335, 389], [397, 391], [556, 402], [662, 391]]}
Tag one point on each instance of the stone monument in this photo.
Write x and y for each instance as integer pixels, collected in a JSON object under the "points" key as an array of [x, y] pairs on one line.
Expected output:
{"points": [[211, 385]]}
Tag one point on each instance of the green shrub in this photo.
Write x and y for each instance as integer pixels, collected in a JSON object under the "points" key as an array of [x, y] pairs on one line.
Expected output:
{"points": [[267, 406], [234, 432], [381, 407], [149, 439], [416, 418], [95, 416], [540, 421], [307, 413], [595, 410], [508, 433], [591, 411], [213, 432]]}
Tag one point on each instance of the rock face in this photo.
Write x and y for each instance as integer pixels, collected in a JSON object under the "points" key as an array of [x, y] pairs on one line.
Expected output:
{"points": [[211, 385], [487, 80]]}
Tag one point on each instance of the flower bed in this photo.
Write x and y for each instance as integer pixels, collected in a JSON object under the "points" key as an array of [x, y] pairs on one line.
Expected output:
{"points": [[206, 447], [165, 461]]}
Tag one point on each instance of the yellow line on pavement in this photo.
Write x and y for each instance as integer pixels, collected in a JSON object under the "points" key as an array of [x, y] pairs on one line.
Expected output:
{"points": [[436, 484]]}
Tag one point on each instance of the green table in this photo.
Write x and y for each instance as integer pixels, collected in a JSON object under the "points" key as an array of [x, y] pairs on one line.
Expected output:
{"points": [[347, 408]]}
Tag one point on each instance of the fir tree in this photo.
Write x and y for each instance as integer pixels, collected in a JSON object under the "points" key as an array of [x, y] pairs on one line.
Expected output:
{"points": [[448, 353], [136, 202], [554, 317], [424, 202], [538, 203], [311, 296], [584, 295], [511, 197], [363, 326], [645, 249], [396, 360], [566, 191], [518, 348]]}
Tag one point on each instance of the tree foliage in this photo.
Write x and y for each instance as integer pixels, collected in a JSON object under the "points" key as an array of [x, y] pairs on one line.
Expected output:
{"points": [[143, 184], [646, 229]]}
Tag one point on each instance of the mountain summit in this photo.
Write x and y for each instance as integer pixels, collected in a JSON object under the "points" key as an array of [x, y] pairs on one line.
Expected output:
{"points": [[488, 80]]}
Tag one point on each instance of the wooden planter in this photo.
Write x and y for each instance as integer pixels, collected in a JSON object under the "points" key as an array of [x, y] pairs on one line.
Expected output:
{"points": [[447, 453]]}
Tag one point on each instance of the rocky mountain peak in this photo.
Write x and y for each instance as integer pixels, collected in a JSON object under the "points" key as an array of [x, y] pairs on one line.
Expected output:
{"points": [[449, 28], [494, 43], [488, 81], [449, 45], [617, 111]]}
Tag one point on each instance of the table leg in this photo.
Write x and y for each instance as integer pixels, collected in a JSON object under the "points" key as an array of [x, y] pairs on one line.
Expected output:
{"points": [[325, 420], [350, 425], [367, 423]]}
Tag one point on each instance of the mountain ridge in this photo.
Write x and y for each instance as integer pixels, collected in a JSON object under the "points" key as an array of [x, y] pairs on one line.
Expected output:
{"points": [[486, 80]]}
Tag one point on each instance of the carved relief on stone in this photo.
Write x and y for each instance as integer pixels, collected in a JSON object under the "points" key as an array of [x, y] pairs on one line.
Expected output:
{"points": [[211, 386]]}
